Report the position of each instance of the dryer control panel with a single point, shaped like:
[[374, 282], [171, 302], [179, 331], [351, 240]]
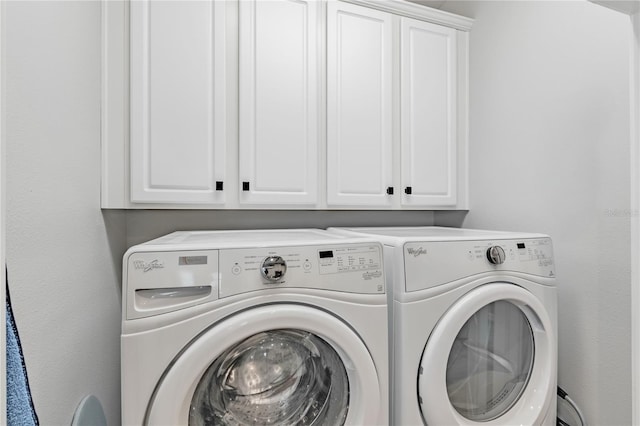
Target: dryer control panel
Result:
[[432, 263]]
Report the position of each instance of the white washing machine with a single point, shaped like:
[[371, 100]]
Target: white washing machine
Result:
[[473, 333], [254, 327]]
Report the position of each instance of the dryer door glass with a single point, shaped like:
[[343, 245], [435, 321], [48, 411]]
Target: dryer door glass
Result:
[[490, 362], [278, 377]]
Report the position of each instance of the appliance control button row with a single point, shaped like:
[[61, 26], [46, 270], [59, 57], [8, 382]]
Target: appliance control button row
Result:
[[354, 268]]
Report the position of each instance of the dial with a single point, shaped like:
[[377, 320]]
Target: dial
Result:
[[495, 255], [273, 268]]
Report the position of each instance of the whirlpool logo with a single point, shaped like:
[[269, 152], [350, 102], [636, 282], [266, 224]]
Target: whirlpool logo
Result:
[[141, 265], [415, 252]]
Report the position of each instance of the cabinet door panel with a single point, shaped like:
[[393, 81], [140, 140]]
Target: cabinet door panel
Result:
[[177, 101], [359, 106], [428, 119], [279, 101]]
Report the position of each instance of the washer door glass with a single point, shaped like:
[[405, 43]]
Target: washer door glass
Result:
[[490, 362], [277, 377]]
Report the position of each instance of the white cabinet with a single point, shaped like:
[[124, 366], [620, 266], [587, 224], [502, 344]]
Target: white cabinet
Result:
[[177, 101], [285, 104], [428, 114], [366, 48], [279, 102], [359, 105]]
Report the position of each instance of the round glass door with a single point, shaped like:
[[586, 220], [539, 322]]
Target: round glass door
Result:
[[262, 359], [490, 362], [491, 358], [275, 377]]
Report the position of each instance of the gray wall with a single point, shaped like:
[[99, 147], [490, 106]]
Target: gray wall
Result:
[[549, 152], [143, 225], [63, 255]]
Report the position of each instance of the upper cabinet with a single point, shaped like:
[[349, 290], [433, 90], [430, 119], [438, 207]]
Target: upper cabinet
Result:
[[279, 101], [359, 106], [177, 108], [428, 114], [310, 104]]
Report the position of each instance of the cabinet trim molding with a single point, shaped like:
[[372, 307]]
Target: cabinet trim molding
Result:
[[114, 128], [416, 11]]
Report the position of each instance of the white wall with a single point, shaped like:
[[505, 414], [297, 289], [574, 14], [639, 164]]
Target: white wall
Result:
[[63, 254], [3, 336], [635, 209], [549, 152]]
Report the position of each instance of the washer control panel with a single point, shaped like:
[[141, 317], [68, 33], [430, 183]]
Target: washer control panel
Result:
[[352, 268], [433, 263], [348, 259]]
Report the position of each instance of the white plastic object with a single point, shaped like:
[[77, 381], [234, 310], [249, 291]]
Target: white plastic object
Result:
[[89, 413]]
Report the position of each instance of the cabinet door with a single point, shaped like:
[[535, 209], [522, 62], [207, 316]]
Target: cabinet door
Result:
[[428, 114], [177, 101], [359, 106], [279, 61]]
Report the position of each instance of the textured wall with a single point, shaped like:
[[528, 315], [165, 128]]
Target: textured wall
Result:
[[549, 152], [143, 225], [63, 255]]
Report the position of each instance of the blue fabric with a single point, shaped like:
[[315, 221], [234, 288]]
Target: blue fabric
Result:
[[20, 410]]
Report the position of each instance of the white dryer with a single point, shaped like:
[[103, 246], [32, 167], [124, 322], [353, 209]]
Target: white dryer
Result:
[[473, 333], [254, 327]]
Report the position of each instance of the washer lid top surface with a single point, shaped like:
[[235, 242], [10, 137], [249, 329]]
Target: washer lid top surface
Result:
[[436, 233], [490, 360], [247, 235], [200, 240]]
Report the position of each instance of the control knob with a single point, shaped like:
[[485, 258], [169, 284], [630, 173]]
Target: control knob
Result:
[[495, 255], [273, 268]]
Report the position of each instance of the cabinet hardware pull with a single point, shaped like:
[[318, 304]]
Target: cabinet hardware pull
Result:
[[245, 186], [407, 190], [390, 190], [219, 185]]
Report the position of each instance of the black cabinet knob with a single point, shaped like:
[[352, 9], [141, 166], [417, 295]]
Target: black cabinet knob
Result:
[[390, 190], [407, 190]]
